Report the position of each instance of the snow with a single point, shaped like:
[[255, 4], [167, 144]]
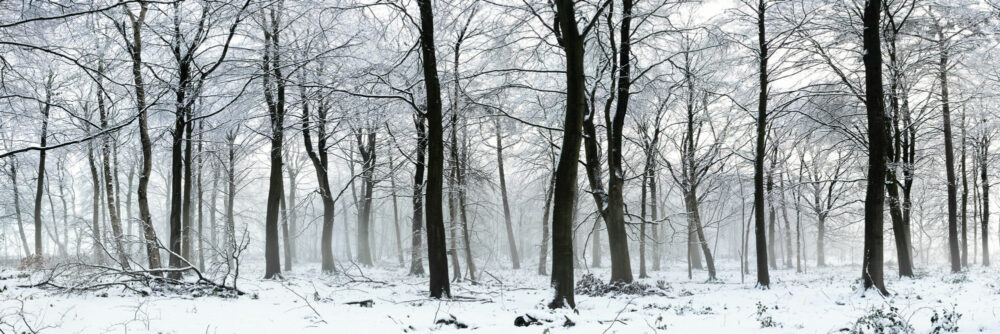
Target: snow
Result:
[[820, 301]]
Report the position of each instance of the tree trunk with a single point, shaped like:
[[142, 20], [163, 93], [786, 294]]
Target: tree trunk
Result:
[[395, 213], [213, 228], [621, 267], [201, 215], [763, 277], [39, 190], [135, 48], [231, 199], [366, 147], [96, 205], [965, 199], [463, 207], [511, 244], [877, 141], [318, 157], [287, 246], [543, 251], [437, 257], [187, 218], [642, 223], [983, 162], [694, 219], [293, 227], [276, 113], [564, 190], [456, 267], [788, 224], [653, 213], [109, 184], [949, 155], [772, 217], [416, 262], [17, 209]]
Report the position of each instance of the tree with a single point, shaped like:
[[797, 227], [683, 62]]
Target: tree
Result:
[[46, 106], [136, 21], [366, 147], [571, 39], [274, 96], [437, 257], [321, 164], [515, 259], [871, 272], [109, 179], [611, 203]]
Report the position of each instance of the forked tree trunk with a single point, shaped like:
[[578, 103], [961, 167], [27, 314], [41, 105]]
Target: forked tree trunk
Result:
[[318, 157]]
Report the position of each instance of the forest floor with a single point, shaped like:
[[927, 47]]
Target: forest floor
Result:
[[822, 300]]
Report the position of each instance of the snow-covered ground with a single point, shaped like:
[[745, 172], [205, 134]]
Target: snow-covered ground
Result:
[[823, 300]]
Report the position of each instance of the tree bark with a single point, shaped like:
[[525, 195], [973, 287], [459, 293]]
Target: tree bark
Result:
[[983, 162], [564, 190], [949, 155], [286, 245], [772, 217], [320, 161], [965, 198], [515, 259], [17, 209], [187, 218], [437, 257], [877, 141], [416, 262], [763, 278], [109, 184], [543, 251], [366, 148], [39, 190], [395, 213], [95, 210], [146, 145], [275, 99]]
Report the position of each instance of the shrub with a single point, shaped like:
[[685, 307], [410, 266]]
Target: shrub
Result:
[[882, 321], [765, 319], [592, 286], [946, 321]]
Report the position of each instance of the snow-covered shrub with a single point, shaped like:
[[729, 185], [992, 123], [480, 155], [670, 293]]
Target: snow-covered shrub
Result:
[[592, 286], [956, 278], [946, 321], [882, 321], [765, 319]]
